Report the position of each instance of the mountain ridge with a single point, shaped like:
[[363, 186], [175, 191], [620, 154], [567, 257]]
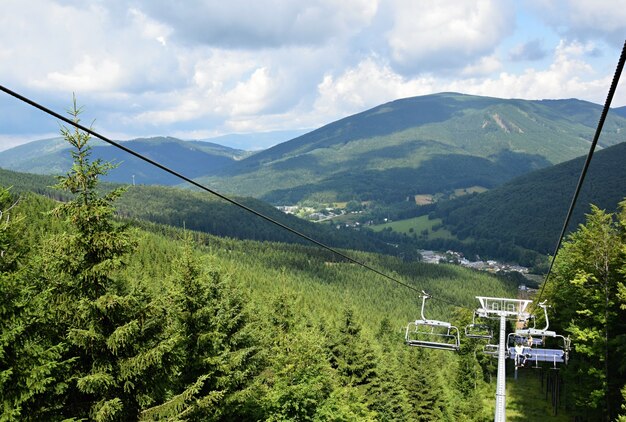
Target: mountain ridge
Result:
[[419, 145], [401, 135], [49, 156]]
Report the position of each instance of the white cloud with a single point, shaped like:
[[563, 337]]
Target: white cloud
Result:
[[584, 19], [372, 82], [253, 95], [150, 28], [483, 66], [84, 48], [431, 34], [531, 51], [208, 66], [369, 83], [568, 76], [86, 76], [261, 23]]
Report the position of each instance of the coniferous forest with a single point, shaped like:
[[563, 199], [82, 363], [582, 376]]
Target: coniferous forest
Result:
[[109, 320]]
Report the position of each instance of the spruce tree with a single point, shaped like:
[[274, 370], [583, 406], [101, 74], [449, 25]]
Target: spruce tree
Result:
[[298, 378], [217, 352], [425, 389], [585, 290], [112, 331], [28, 363]]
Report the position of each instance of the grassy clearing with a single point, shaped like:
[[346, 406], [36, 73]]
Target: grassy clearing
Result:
[[473, 189], [526, 400], [418, 224]]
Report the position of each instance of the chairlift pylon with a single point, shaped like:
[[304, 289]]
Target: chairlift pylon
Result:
[[431, 333]]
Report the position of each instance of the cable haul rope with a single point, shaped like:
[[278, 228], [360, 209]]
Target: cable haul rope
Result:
[[214, 192], [581, 179]]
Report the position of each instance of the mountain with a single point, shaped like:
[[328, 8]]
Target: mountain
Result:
[[420, 145], [431, 144], [205, 213], [530, 210], [255, 141], [620, 111], [50, 156]]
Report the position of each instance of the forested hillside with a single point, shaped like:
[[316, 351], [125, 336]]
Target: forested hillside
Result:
[[104, 321], [420, 145], [105, 318], [51, 156], [529, 211], [203, 212]]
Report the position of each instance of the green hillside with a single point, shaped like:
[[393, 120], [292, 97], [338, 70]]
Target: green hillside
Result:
[[105, 318], [203, 212], [421, 145], [289, 332], [529, 211], [191, 158]]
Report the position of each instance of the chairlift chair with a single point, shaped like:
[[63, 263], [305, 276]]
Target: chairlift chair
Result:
[[479, 331], [491, 350], [531, 340], [431, 333]]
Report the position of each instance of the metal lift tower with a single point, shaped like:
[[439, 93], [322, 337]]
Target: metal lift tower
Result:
[[497, 307]]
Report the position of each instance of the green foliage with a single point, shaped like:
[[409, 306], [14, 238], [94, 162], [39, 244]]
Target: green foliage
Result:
[[528, 212], [587, 290], [216, 348], [103, 321]]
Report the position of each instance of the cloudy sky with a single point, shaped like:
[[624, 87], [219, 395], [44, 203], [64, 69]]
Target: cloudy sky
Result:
[[204, 68]]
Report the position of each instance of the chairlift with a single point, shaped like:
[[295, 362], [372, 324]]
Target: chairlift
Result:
[[491, 350], [479, 331], [528, 345], [431, 333]]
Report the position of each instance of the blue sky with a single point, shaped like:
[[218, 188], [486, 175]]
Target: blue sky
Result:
[[203, 68]]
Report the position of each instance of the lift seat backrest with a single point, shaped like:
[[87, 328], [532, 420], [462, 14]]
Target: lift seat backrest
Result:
[[448, 339], [433, 345], [540, 355]]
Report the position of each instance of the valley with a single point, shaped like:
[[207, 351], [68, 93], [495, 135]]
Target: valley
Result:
[[109, 282]]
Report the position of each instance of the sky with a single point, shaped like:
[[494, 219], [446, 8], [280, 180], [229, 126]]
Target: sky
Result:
[[197, 69]]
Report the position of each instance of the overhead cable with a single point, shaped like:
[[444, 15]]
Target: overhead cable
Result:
[[581, 179], [204, 188]]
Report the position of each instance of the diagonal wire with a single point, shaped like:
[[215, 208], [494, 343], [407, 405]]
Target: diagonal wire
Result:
[[219, 195], [581, 179]]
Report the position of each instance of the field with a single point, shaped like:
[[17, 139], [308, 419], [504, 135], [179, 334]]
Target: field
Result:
[[526, 400], [417, 225]]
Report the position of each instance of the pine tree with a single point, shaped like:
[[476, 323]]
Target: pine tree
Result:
[[217, 353], [584, 289], [112, 332]]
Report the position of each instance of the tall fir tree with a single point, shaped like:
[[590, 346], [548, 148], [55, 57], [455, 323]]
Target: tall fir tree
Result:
[[217, 352], [112, 331], [585, 289]]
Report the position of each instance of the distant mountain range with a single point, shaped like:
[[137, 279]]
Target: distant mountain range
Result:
[[421, 145], [255, 141], [192, 158]]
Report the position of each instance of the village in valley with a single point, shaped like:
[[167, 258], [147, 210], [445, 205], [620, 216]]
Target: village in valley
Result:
[[330, 213]]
